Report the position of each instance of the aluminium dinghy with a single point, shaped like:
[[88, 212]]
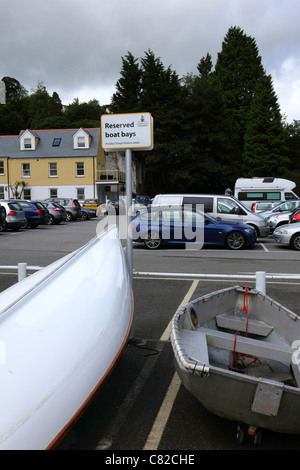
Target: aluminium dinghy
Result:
[[236, 351], [58, 346]]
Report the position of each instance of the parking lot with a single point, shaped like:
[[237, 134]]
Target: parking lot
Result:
[[143, 405]]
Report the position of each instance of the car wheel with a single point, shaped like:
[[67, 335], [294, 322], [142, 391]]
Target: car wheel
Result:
[[84, 216], [295, 241], [3, 227], [235, 240], [69, 217], [51, 220], [153, 241]]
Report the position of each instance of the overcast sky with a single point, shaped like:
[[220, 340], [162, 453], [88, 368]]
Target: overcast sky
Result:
[[75, 47]]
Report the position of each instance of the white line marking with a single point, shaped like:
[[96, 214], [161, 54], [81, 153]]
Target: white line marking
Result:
[[162, 417], [163, 414], [264, 247]]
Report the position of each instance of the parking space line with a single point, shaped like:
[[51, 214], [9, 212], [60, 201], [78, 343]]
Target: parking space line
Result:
[[162, 417], [264, 247], [166, 334], [163, 414]]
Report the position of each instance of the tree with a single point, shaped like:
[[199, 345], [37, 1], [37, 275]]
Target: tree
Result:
[[265, 149], [126, 98], [205, 161], [14, 90], [238, 69]]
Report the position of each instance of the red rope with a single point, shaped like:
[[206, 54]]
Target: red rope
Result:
[[242, 355]]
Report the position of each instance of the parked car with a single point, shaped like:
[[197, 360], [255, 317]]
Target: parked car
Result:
[[157, 226], [288, 234], [295, 216], [33, 214], [92, 203], [72, 206], [88, 213], [140, 203], [115, 206], [15, 216], [277, 220], [286, 206], [44, 210], [263, 206], [57, 213]]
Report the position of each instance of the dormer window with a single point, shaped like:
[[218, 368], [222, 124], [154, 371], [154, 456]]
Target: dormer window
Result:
[[28, 140], [81, 139]]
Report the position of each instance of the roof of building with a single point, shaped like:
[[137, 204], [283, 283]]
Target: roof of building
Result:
[[10, 145]]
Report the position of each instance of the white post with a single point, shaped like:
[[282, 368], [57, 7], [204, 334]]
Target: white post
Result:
[[22, 269], [261, 281]]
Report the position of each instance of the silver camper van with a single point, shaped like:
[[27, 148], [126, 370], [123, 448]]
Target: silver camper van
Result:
[[223, 208], [272, 190]]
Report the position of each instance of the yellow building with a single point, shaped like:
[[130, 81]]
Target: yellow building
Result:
[[51, 163]]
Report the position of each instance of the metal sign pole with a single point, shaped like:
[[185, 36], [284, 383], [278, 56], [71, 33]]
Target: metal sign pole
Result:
[[128, 154]]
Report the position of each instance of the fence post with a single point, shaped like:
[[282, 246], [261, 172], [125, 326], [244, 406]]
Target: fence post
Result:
[[22, 270], [260, 281]]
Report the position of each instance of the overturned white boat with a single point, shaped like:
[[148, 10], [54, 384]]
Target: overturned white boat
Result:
[[62, 331], [236, 351]]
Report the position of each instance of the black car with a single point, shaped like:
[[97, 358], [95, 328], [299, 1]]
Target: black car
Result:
[[88, 213]]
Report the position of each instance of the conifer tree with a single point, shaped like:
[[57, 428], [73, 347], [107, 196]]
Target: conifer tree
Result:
[[238, 69], [127, 96], [265, 149]]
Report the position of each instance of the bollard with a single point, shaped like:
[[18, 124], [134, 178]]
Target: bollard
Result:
[[22, 270], [261, 281]]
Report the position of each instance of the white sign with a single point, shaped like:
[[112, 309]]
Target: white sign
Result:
[[127, 131]]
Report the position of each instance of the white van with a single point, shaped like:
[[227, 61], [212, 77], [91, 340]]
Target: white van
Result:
[[224, 208], [251, 190]]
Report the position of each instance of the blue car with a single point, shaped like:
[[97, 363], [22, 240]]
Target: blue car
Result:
[[157, 226], [34, 214]]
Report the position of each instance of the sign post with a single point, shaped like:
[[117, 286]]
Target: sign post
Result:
[[129, 132]]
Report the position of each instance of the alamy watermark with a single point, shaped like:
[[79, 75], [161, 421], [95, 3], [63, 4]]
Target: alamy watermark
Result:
[[180, 224]]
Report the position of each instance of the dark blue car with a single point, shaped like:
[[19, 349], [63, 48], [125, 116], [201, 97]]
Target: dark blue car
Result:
[[34, 214], [157, 226]]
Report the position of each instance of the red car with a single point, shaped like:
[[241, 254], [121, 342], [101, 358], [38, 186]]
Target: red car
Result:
[[295, 215]]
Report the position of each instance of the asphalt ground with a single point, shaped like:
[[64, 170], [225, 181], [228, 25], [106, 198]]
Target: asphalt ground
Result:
[[142, 406]]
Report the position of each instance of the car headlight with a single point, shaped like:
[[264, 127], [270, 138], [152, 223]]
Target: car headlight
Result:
[[272, 219], [250, 230], [281, 231]]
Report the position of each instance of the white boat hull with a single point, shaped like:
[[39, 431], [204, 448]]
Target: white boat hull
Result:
[[60, 340]]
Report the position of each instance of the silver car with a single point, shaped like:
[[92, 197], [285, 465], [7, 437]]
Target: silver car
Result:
[[288, 234], [15, 216], [276, 220]]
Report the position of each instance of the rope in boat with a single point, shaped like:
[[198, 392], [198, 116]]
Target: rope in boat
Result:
[[243, 356]]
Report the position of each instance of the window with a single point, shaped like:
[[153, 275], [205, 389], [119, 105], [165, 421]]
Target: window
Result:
[[80, 169], [80, 141], [56, 142], [26, 170], [53, 192], [27, 143], [1, 192], [227, 206], [53, 170], [27, 194], [1, 167], [80, 193]]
